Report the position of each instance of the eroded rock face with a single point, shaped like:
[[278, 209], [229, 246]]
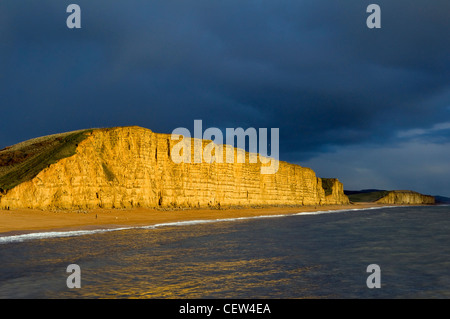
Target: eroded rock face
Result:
[[128, 167], [407, 198]]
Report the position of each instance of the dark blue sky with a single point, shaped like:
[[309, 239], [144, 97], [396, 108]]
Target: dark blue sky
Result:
[[371, 107]]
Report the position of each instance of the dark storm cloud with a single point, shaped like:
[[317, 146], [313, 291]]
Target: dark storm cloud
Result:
[[311, 68]]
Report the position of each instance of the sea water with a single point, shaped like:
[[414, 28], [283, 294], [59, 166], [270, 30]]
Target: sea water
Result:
[[308, 255]]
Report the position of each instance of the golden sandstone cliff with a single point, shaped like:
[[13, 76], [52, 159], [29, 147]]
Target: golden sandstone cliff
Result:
[[127, 167], [406, 198]]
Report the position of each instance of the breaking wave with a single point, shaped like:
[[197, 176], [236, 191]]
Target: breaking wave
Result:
[[73, 233]]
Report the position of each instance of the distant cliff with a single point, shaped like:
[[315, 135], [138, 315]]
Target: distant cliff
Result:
[[128, 167], [406, 198]]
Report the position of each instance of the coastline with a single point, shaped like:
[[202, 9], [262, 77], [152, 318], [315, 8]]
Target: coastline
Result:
[[30, 221]]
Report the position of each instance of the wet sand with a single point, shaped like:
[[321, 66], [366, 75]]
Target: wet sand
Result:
[[28, 220]]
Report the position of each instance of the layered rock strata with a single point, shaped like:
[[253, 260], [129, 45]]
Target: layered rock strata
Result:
[[401, 197], [127, 167]]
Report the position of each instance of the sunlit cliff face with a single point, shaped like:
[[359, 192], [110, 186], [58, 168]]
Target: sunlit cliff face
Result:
[[406, 198], [128, 167]]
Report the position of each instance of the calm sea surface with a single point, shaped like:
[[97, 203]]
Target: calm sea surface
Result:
[[304, 256]]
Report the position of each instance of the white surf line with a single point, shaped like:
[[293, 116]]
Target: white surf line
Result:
[[345, 210], [73, 233], [55, 234]]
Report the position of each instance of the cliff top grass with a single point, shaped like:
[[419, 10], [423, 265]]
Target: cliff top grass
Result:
[[327, 185], [23, 161], [367, 197]]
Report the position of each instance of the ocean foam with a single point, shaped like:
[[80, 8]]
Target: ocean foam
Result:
[[73, 233], [43, 235]]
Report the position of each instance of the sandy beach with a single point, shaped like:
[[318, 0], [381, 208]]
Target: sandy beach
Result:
[[28, 220]]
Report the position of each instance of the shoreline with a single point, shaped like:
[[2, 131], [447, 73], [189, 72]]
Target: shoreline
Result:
[[25, 221]]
